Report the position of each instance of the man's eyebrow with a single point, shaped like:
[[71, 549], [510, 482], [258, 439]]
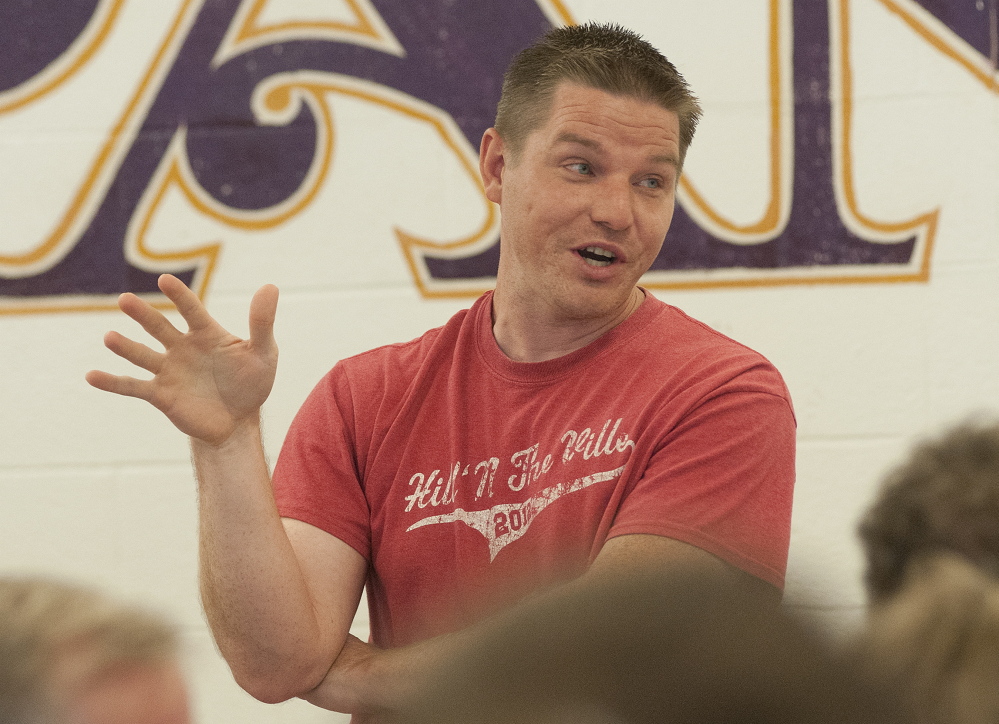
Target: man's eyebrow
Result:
[[567, 137], [668, 159]]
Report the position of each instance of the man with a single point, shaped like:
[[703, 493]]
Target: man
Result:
[[71, 656], [568, 423]]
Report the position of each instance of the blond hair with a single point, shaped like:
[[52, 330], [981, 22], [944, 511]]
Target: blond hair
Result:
[[45, 623], [937, 640]]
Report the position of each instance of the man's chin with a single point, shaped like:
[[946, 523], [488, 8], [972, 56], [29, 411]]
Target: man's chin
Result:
[[600, 303]]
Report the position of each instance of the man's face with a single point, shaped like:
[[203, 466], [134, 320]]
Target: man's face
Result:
[[586, 203]]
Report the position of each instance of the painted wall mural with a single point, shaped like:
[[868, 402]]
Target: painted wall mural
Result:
[[229, 111]]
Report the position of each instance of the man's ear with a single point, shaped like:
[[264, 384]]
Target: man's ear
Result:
[[492, 160]]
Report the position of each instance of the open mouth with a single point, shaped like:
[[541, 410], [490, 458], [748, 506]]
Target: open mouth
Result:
[[595, 256]]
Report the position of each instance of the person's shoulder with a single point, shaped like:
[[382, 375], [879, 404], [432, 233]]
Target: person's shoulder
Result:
[[706, 351], [399, 355], [687, 331]]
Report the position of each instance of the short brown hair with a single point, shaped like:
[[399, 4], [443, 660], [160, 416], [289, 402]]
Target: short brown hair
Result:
[[943, 498], [603, 56], [42, 622]]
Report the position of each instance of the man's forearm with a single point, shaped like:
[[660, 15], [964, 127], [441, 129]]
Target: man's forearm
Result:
[[367, 680], [255, 596], [370, 681]]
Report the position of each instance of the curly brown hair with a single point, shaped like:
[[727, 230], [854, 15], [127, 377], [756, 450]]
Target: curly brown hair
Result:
[[943, 498]]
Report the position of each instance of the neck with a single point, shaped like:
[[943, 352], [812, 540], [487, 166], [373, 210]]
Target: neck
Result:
[[527, 334]]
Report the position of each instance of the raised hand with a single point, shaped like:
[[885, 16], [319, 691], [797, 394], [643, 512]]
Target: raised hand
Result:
[[206, 381]]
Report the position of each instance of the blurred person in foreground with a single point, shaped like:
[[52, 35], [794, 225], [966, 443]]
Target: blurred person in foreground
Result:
[[678, 648], [936, 640], [566, 425], [69, 655]]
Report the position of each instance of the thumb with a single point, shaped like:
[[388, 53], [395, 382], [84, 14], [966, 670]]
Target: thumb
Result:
[[263, 310]]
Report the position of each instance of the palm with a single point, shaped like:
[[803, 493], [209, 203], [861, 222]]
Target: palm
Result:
[[206, 381]]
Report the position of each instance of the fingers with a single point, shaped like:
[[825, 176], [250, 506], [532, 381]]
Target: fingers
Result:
[[152, 320], [120, 384], [186, 301], [138, 354], [263, 310]]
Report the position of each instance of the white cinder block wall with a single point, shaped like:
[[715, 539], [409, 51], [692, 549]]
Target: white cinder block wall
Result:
[[99, 489]]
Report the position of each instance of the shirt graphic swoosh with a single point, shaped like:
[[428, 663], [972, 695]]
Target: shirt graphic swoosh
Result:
[[518, 516]]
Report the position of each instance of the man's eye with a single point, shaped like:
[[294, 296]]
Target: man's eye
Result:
[[580, 168], [651, 183]]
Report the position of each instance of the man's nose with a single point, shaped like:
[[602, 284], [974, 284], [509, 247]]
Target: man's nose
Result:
[[612, 205]]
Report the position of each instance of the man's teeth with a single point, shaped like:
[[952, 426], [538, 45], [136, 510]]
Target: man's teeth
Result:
[[595, 256]]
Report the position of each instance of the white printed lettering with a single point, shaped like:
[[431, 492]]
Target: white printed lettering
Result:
[[503, 524], [489, 468], [450, 490], [527, 460], [591, 447], [419, 496], [569, 452], [441, 490]]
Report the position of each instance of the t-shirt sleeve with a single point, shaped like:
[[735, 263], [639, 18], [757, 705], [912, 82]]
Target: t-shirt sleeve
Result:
[[723, 477], [316, 478]]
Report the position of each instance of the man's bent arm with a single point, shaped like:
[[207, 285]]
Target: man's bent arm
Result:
[[280, 622], [278, 616]]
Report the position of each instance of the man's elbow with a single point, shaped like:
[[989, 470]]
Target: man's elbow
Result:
[[276, 685]]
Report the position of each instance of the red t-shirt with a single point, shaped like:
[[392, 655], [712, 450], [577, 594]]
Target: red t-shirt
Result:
[[468, 480]]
